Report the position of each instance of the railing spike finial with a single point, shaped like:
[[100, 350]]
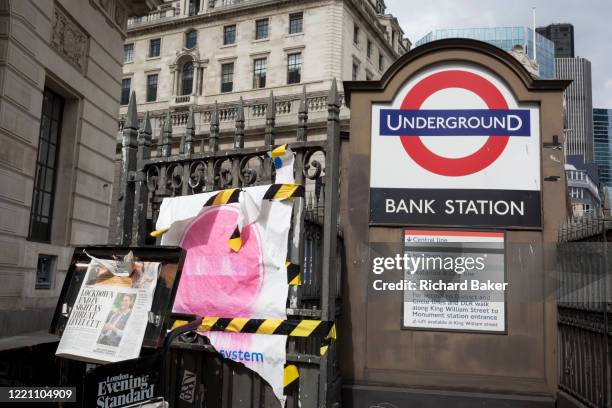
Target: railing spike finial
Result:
[[144, 138], [132, 114], [189, 133], [213, 142], [333, 97], [167, 136], [148, 130], [190, 119], [215, 116], [271, 109], [270, 121], [239, 134], [302, 117], [168, 123], [240, 111], [303, 102]]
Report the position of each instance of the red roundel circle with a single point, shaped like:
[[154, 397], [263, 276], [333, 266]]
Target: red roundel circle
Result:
[[460, 166]]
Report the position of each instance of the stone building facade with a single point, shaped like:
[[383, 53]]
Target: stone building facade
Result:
[[191, 54], [60, 78]]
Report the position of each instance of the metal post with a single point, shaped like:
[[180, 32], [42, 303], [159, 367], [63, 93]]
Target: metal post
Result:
[[238, 143], [213, 141], [189, 135], [269, 137], [330, 237], [166, 139], [213, 145], [296, 249], [188, 150], [139, 229], [128, 168]]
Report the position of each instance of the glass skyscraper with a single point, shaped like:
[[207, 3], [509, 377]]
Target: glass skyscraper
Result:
[[505, 38], [602, 144]]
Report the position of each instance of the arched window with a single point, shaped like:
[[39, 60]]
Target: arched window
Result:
[[187, 83], [191, 39]]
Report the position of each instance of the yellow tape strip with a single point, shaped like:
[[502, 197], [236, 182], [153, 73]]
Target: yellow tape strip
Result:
[[236, 325], [223, 196], [305, 328], [235, 244], [279, 151], [178, 323], [286, 191], [268, 326], [207, 323], [291, 374], [332, 332], [159, 232]]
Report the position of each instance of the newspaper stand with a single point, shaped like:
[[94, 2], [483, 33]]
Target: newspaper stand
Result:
[[73, 372]]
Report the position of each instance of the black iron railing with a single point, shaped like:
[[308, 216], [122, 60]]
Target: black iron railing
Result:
[[151, 174]]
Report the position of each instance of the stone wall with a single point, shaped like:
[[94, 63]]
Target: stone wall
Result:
[[75, 49]]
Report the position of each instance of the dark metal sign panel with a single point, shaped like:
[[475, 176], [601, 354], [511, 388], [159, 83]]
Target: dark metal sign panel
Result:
[[485, 208]]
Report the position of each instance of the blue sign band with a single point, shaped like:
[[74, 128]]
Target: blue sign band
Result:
[[463, 122]]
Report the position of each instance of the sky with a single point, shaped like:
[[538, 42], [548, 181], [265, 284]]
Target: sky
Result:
[[592, 20]]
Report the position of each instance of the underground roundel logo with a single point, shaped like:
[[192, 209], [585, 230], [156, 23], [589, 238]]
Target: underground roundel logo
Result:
[[411, 123]]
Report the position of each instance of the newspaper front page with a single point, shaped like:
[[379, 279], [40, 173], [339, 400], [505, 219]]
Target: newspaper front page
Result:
[[108, 320]]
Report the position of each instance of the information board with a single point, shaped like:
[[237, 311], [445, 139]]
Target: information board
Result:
[[455, 280]]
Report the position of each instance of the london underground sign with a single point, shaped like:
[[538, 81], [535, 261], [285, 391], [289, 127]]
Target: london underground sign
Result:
[[455, 148]]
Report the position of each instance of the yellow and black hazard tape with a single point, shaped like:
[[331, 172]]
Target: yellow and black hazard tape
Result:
[[231, 195], [274, 192], [290, 381], [227, 196], [293, 274], [292, 328], [331, 336], [284, 191]]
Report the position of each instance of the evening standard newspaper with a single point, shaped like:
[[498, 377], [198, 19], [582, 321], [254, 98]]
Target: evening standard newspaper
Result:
[[108, 320]]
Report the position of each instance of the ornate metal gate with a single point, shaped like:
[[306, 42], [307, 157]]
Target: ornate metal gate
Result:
[[150, 174]]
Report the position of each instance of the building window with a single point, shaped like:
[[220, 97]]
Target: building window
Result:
[[381, 62], [191, 39], [126, 84], [194, 7], [46, 167], [369, 48], [229, 34], [227, 77], [187, 79], [259, 72], [154, 47], [128, 53], [44, 271], [296, 23], [294, 68], [261, 29], [355, 71], [355, 34], [152, 88]]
